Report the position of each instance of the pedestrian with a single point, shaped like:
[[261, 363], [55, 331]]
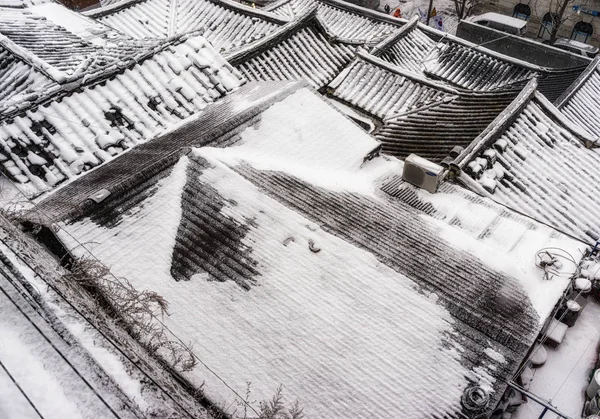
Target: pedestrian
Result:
[[397, 13], [387, 8]]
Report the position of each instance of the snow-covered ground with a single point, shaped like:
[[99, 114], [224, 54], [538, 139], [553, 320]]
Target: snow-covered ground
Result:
[[566, 374], [409, 8]]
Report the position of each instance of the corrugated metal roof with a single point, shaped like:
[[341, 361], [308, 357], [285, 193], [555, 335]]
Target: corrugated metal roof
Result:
[[300, 50], [533, 160]]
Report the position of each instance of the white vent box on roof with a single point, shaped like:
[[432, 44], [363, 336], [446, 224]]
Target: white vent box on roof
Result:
[[422, 173]]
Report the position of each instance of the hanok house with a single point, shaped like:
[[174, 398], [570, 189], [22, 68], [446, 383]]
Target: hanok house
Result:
[[579, 103], [534, 159], [247, 220], [76, 92], [411, 113], [227, 25]]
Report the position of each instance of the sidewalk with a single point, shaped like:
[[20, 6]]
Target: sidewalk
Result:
[[565, 376]]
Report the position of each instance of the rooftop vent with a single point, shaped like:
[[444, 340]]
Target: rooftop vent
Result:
[[422, 173]]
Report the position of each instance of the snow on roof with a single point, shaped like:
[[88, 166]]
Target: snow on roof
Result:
[[49, 370], [226, 24], [45, 146], [300, 50], [482, 223], [63, 44], [534, 160], [579, 103], [23, 3], [415, 114], [252, 237], [343, 20], [451, 60], [440, 56], [500, 18]]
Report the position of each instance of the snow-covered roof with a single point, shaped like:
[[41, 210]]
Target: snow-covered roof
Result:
[[580, 102], [285, 263], [226, 24], [300, 50], [43, 146], [343, 20], [416, 114], [500, 18], [23, 3], [449, 59], [444, 57], [533, 159], [49, 48]]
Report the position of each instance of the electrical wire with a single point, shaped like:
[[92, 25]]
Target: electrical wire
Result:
[[58, 351], [187, 348], [108, 339], [20, 389]]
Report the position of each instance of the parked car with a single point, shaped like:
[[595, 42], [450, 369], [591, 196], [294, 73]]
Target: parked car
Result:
[[503, 23], [576, 47]]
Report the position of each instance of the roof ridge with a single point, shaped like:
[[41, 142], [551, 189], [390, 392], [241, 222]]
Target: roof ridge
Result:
[[381, 47], [366, 56], [576, 85], [111, 8], [499, 124], [247, 10], [363, 11], [264, 43], [79, 202], [69, 85], [577, 131]]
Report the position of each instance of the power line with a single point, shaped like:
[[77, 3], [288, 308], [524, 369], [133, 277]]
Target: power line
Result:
[[20, 389], [47, 339], [109, 340], [187, 348]]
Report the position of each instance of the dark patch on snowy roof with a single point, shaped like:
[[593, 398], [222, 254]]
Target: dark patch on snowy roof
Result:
[[416, 115], [300, 50], [207, 240], [580, 101], [229, 115], [82, 127], [490, 309], [533, 159]]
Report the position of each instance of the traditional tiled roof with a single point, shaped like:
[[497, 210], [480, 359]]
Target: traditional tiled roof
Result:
[[23, 3], [300, 50], [226, 24], [453, 60], [580, 103], [43, 146], [534, 160], [248, 229], [413, 113], [343, 20], [48, 49]]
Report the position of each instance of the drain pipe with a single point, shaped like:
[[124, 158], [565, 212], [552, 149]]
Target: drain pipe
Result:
[[547, 405]]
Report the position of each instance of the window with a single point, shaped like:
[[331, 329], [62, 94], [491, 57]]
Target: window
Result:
[[547, 25], [522, 11], [582, 31]]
